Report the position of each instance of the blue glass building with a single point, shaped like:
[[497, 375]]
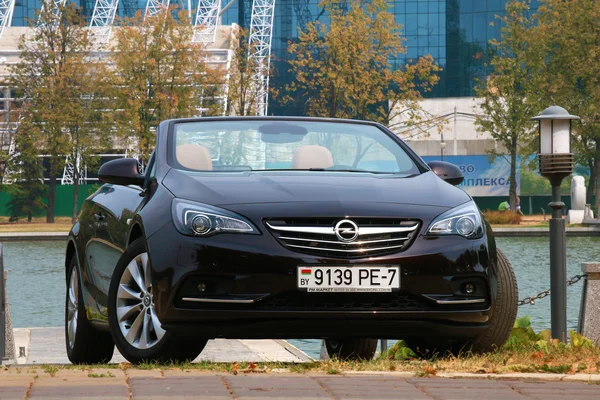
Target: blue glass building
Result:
[[455, 32]]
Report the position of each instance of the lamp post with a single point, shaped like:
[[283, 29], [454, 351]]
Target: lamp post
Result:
[[442, 147], [556, 163]]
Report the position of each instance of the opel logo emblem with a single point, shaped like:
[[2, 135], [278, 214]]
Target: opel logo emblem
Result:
[[346, 230]]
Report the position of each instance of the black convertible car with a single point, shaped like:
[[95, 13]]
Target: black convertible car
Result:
[[265, 227]]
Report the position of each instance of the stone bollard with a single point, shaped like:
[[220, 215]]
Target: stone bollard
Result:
[[589, 315]]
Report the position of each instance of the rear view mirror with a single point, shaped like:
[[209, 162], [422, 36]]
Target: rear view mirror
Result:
[[122, 171], [447, 171]]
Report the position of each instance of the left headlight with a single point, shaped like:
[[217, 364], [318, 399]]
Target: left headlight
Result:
[[464, 220], [196, 219]]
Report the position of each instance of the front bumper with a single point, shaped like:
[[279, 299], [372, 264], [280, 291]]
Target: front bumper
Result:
[[255, 279]]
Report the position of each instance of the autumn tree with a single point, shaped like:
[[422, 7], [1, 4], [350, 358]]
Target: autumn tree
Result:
[[506, 104], [53, 79], [566, 45], [243, 94], [159, 73], [84, 118], [342, 69], [26, 174]]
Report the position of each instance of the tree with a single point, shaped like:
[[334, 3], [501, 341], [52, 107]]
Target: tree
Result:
[[506, 105], [83, 118], [158, 74], [342, 69], [243, 95], [52, 59], [566, 45], [28, 189]]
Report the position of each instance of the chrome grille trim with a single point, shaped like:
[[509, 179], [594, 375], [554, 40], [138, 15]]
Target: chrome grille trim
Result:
[[375, 236], [359, 243], [365, 230], [365, 250]]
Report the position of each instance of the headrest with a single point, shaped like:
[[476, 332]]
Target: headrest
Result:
[[312, 156], [194, 156]]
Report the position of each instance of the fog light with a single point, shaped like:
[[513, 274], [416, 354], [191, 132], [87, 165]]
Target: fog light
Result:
[[201, 287], [469, 288]]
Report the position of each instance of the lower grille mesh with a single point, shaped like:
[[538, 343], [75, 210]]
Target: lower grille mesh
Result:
[[395, 301]]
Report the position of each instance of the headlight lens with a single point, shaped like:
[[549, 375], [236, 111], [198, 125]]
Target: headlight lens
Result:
[[196, 219], [464, 220]]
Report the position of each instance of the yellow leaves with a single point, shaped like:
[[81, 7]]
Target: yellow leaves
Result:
[[344, 68]]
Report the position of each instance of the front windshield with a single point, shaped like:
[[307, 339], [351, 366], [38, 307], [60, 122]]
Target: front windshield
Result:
[[264, 145]]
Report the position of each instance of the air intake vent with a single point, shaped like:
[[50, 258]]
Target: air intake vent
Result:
[[344, 238]]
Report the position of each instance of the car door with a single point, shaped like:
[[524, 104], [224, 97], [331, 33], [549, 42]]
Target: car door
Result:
[[114, 206]]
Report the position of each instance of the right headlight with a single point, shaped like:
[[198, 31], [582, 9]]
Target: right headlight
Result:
[[196, 219], [464, 220]]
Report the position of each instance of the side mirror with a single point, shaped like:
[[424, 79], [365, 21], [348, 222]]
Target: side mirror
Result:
[[447, 171], [122, 171]]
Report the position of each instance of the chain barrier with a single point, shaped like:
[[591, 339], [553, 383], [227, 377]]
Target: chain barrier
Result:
[[531, 299]]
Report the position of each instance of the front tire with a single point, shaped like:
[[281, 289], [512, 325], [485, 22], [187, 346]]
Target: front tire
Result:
[[504, 309], [85, 345], [351, 349], [135, 327], [504, 312]]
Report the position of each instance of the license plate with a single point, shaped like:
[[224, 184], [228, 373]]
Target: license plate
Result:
[[349, 279]]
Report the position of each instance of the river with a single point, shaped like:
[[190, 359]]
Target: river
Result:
[[36, 283]]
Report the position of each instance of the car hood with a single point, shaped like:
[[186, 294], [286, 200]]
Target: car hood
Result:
[[222, 189]]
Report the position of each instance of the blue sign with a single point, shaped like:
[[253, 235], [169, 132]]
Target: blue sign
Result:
[[483, 178]]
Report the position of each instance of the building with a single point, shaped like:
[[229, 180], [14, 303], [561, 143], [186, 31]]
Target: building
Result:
[[455, 32]]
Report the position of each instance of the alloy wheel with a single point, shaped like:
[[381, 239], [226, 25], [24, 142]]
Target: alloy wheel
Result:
[[136, 314], [72, 306]]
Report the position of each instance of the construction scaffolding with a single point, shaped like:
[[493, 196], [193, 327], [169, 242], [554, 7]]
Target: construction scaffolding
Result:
[[205, 23], [7, 7], [154, 7], [103, 19], [259, 47]]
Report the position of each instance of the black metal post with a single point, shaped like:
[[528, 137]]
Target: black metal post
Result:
[[558, 266]]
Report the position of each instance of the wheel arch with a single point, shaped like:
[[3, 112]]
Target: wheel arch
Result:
[[71, 251], [136, 232]]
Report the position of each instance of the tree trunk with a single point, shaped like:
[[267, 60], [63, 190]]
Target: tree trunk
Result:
[[51, 197], [512, 189], [29, 216], [75, 191], [591, 183]]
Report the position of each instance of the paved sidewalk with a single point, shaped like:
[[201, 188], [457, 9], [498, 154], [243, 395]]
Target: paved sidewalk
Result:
[[47, 346], [175, 384]]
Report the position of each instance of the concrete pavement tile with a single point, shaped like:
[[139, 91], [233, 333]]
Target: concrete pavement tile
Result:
[[270, 387], [81, 388], [179, 373], [456, 383], [472, 393], [144, 373], [194, 387], [371, 387], [14, 387]]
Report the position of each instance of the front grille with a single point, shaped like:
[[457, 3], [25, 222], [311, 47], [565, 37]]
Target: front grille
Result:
[[302, 301], [318, 236]]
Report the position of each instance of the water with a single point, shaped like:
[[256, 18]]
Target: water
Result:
[[36, 283]]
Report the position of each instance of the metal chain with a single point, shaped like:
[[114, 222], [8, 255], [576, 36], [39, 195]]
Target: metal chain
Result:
[[546, 293]]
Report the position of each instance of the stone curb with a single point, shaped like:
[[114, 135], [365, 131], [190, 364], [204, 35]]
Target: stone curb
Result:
[[545, 377], [20, 236]]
